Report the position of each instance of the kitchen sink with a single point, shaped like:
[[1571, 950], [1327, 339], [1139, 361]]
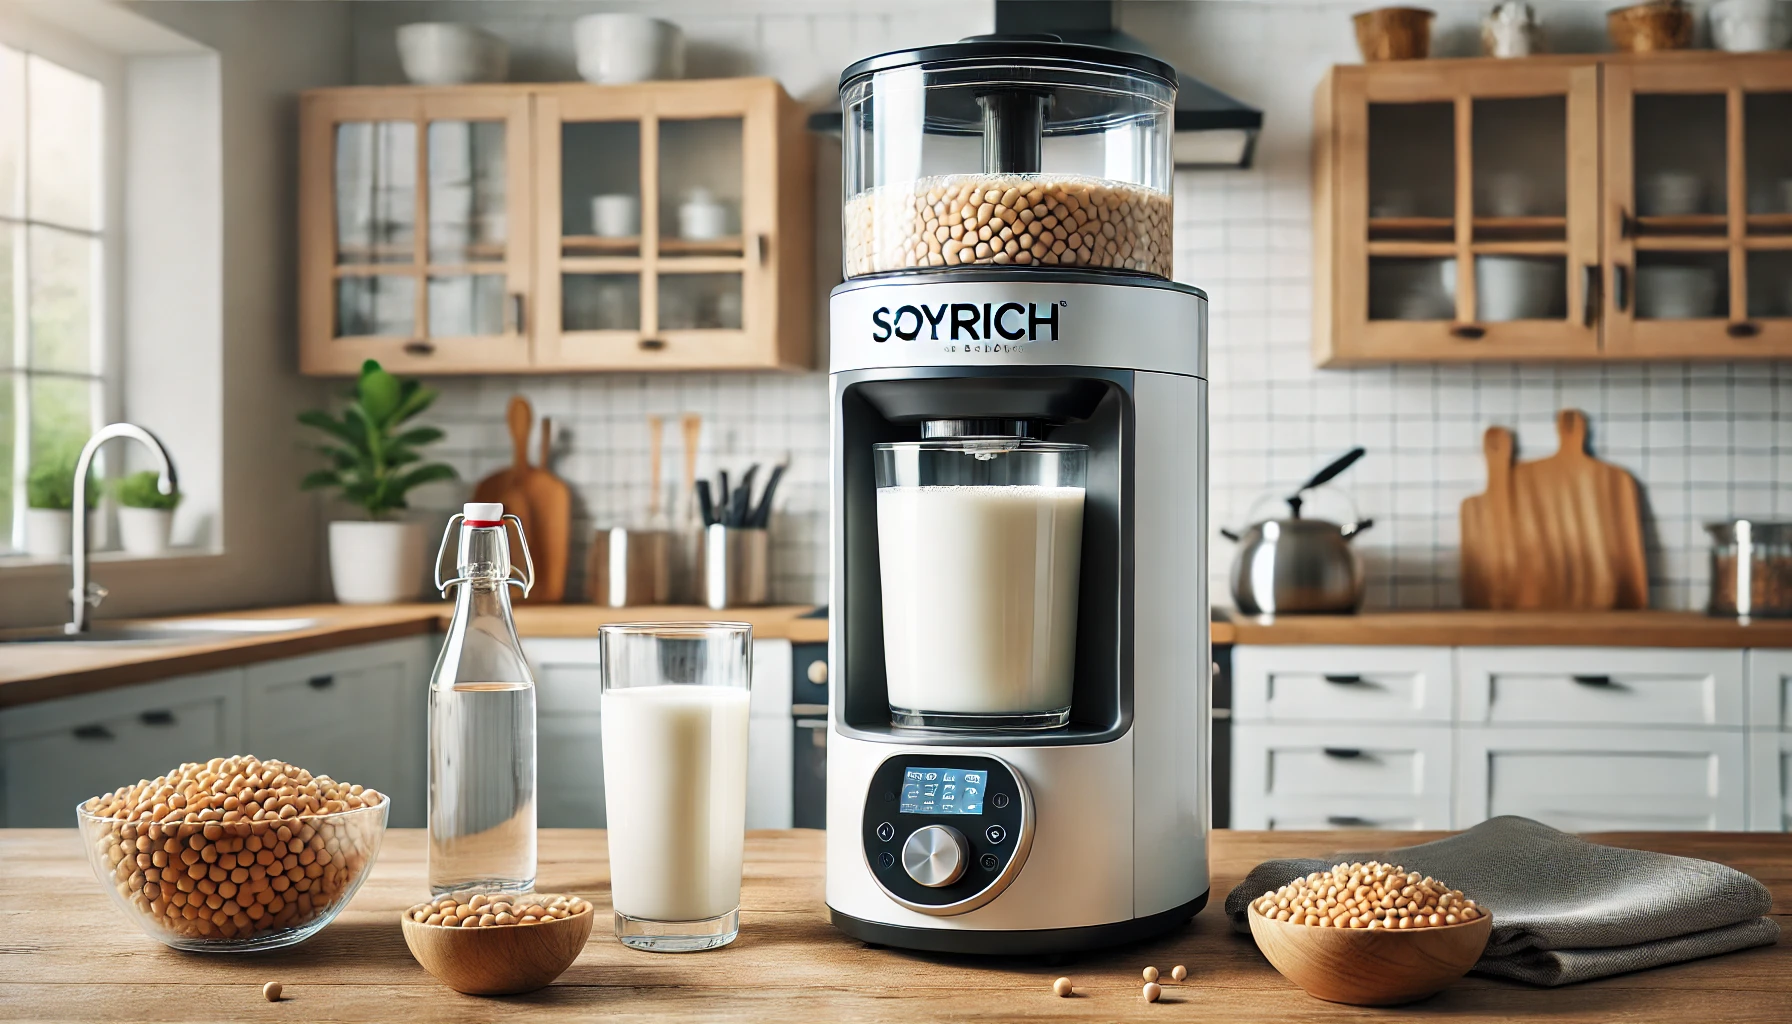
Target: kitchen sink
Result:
[[182, 631]]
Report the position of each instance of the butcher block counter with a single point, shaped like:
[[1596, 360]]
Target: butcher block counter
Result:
[[66, 954], [42, 671], [34, 672]]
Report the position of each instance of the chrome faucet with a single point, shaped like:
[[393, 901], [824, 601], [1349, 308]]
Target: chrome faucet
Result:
[[85, 594]]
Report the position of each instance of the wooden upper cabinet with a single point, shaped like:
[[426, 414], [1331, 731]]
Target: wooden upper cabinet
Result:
[[1457, 206], [1554, 208], [1698, 219], [509, 228], [415, 230]]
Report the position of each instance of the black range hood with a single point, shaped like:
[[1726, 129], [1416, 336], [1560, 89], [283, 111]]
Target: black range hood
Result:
[[1213, 130]]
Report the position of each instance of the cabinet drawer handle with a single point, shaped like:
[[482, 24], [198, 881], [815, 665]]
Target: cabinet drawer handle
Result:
[[1348, 821], [1594, 680], [653, 344], [93, 732], [1743, 330], [762, 248], [1344, 680], [515, 313], [419, 348], [1468, 332], [156, 718], [1620, 287], [1343, 753], [321, 682]]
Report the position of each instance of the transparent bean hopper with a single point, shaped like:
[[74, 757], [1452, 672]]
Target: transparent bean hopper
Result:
[[1019, 659], [1008, 152]]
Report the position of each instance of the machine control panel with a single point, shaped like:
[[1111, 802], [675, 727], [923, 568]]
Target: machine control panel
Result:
[[945, 833]]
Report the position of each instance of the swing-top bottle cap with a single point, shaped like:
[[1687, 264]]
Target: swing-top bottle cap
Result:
[[483, 513]]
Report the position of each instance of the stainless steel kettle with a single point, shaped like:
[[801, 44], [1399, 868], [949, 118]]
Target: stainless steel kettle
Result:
[[1295, 565]]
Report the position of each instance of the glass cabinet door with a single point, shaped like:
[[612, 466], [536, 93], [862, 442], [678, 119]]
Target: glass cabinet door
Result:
[[1700, 185], [1467, 213], [428, 231], [656, 235]]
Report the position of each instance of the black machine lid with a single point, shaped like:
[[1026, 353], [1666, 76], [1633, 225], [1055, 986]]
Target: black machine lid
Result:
[[1042, 48]]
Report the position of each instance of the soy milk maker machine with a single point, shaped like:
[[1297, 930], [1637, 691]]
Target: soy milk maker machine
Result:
[[1008, 325]]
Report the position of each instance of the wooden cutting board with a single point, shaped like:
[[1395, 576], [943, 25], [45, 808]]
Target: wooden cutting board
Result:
[[1563, 532], [550, 500], [539, 499]]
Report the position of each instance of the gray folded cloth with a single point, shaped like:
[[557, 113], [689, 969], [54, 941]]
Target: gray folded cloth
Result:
[[1564, 909]]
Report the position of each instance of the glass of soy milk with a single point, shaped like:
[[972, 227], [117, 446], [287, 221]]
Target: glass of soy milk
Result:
[[979, 543], [674, 717]]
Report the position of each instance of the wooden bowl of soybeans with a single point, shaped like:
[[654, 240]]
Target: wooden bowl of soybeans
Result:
[[1369, 934], [498, 944]]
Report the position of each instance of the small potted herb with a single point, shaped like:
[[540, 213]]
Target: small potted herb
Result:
[[373, 463], [50, 497], [145, 514]]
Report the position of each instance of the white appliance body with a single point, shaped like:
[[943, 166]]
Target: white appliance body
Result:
[[1106, 841]]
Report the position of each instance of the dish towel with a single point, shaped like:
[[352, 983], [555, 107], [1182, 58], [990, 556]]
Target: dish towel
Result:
[[1564, 909]]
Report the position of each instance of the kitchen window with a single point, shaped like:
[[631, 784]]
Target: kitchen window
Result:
[[56, 262]]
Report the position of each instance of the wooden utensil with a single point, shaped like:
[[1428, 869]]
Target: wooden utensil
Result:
[[500, 959], [656, 429], [1370, 967], [509, 485], [550, 537], [1563, 532], [693, 434]]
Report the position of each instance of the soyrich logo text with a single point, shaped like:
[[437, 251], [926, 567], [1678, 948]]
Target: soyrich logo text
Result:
[[968, 321]]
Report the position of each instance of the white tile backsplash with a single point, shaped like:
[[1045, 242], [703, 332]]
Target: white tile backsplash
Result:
[[1704, 440]]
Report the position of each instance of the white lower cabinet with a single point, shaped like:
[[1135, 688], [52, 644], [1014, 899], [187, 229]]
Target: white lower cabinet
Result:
[[56, 753], [1770, 690], [1593, 780], [1340, 776], [357, 714], [570, 765], [1582, 738], [1601, 686], [1770, 781]]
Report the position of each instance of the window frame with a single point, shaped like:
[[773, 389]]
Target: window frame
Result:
[[29, 39]]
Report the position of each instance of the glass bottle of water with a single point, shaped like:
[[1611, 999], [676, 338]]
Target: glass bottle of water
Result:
[[482, 720]]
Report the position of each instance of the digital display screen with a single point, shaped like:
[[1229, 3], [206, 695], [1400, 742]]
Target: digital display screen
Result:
[[942, 791]]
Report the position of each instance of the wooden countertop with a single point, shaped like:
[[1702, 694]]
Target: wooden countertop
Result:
[[34, 672], [1513, 629], [70, 956]]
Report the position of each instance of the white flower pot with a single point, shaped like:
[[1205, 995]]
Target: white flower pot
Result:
[[376, 563], [144, 531], [47, 532]]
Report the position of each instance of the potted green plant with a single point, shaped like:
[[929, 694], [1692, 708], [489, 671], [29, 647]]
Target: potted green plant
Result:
[[49, 499], [145, 514], [373, 462]]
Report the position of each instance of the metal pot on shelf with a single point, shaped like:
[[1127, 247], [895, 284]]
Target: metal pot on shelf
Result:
[[1299, 565]]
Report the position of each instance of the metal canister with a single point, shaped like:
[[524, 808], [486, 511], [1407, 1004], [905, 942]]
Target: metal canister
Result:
[[629, 568], [732, 566]]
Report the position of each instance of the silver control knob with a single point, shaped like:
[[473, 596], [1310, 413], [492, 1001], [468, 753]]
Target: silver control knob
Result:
[[934, 855]]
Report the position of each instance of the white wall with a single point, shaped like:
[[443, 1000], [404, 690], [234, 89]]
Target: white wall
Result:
[[271, 541], [1703, 441], [173, 370]]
